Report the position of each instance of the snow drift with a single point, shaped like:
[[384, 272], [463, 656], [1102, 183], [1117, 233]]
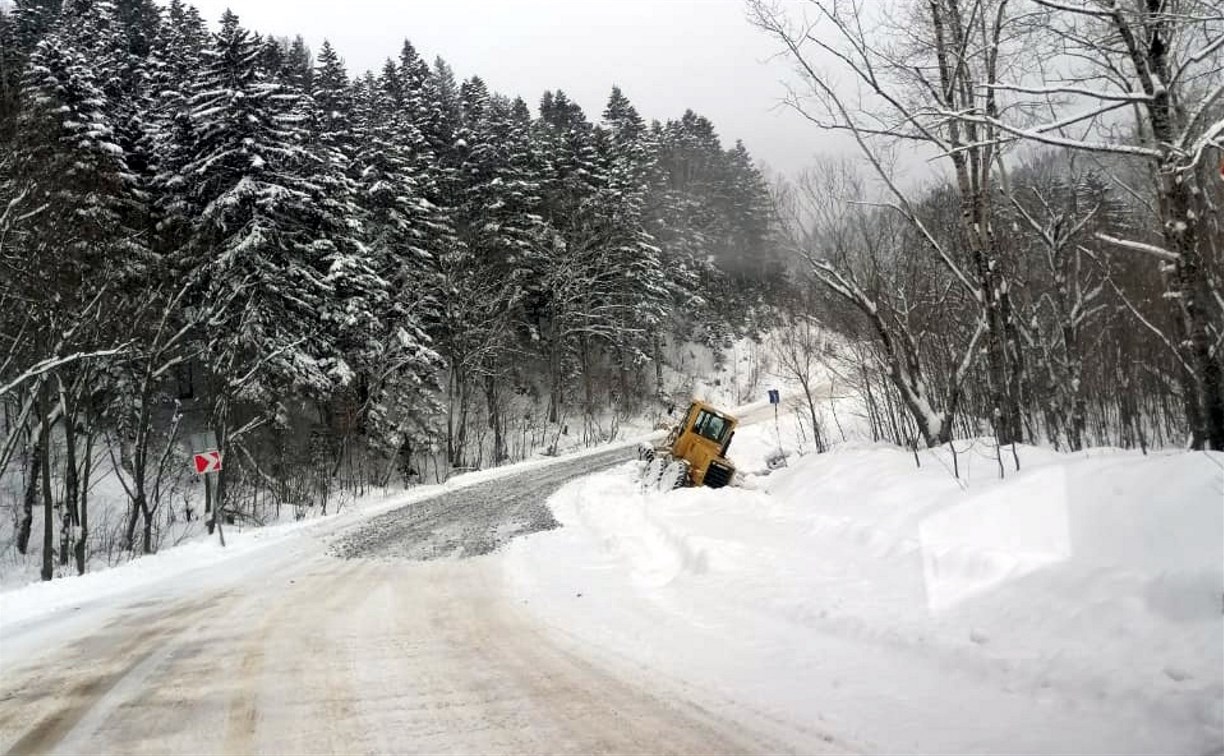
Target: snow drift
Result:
[[1073, 607]]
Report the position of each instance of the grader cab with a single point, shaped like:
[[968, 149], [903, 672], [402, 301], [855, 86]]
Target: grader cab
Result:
[[695, 452]]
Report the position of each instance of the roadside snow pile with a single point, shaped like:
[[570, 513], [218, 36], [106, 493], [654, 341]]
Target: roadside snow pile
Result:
[[36, 600], [1073, 607]]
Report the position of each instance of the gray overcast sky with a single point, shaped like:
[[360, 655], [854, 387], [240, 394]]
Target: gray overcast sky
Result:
[[667, 55]]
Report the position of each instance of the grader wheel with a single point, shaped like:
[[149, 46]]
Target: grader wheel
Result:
[[654, 469], [676, 475], [645, 452], [660, 470]]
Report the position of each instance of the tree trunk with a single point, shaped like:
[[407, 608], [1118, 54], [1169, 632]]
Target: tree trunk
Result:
[[451, 399], [973, 179], [1194, 292], [870, 401], [811, 402], [71, 483], [26, 521], [556, 367], [210, 522], [221, 431], [1076, 425], [554, 389], [1016, 374], [460, 459], [129, 534], [588, 389], [147, 535], [48, 555], [622, 400], [658, 362], [496, 421], [78, 548], [1183, 217]]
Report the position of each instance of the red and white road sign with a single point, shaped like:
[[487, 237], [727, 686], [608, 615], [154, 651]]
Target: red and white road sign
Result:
[[209, 461]]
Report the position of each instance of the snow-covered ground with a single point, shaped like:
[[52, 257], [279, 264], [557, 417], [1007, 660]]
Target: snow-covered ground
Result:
[[1074, 606]]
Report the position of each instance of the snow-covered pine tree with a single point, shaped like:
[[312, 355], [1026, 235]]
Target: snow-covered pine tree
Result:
[[140, 21], [429, 142], [331, 118], [401, 232], [499, 216], [299, 65], [32, 20], [420, 98], [596, 196], [436, 161], [174, 64], [175, 58], [488, 272], [77, 244], [403, 226], [67, 150], [129, 85], [10, 79], [441, 129], [449, 107], [275, 262], [688, 216], [271, 60], [755, 252], [364, 285], [627, 158]]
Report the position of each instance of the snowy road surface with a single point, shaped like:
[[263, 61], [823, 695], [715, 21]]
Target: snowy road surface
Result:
[[292, 649], [474, 521]]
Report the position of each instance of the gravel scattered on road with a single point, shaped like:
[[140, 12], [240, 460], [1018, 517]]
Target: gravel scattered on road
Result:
[[472, 521]]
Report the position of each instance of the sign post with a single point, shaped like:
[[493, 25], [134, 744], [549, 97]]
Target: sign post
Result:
[[775, 398], [207, 461]]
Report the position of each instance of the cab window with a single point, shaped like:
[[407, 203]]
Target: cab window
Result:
[[710, 426]]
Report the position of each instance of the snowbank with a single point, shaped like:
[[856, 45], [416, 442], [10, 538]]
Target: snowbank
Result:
[[1073, 607]]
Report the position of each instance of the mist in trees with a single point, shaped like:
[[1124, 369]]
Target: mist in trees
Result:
[[213, 237]]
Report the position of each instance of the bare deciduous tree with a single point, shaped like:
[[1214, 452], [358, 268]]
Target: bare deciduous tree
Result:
[[1140, 79], [888, 77], [800, 348]]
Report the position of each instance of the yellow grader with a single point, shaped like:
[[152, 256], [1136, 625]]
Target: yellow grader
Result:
[[694, 453]]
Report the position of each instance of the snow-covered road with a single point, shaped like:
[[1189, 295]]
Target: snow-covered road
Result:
[[332, 656], [291, 649]]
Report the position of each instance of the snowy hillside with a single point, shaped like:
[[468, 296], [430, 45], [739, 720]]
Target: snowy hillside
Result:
[[1072, 607]]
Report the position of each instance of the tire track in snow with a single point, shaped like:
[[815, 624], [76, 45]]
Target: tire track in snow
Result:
[[243, 707], [76, 699]]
